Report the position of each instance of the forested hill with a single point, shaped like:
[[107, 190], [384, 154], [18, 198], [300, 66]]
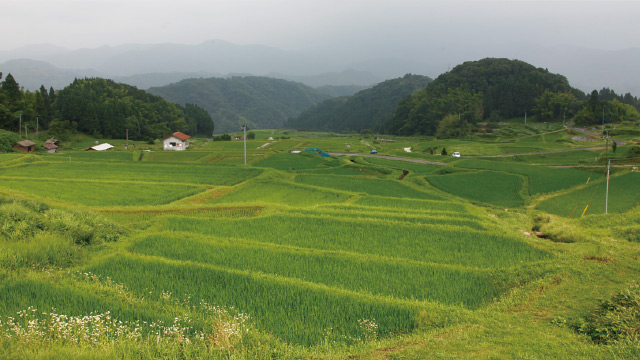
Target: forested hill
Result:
[[259, 102], [368, 109], [477, 90], [105, 108]]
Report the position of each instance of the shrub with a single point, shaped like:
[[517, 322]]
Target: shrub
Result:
[[616, 319], [7, 139], [223, 137]]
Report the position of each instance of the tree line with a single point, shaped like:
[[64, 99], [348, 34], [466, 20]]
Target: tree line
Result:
[[98, 107], [491, 90]]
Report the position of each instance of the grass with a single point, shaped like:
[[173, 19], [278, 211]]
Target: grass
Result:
[[297, 256], [293, 310], [136, 171], [300, 161], [427, 243], [279, 192], [623, 196], [488, 187], [377, 187], [542, 180], [358, 273], [100, 193]]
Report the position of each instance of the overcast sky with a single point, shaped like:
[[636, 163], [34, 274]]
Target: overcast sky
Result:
[[370, 26]]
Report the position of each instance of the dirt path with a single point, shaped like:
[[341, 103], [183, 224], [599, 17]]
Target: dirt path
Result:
[[389, 158], [584, 130]]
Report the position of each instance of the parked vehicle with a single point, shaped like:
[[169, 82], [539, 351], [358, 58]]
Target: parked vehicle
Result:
[[456, 154]]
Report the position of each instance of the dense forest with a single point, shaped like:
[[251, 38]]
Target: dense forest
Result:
[[496, 89], [30, 109], [105, 108], [99, 107], [368, 109], [259, 102]]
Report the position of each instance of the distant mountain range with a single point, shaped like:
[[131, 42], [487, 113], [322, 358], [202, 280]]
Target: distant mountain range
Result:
[[149, 65], [259, 102]]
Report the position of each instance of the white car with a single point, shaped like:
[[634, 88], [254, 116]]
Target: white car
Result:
[[456, 154]]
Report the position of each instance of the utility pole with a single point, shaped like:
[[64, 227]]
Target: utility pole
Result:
[[37, 124], [606, 199], [126, 146], [244, 138], [606, 147], [20, 126]]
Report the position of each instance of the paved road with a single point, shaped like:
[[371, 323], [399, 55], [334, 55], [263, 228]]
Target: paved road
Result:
[[390, 158]]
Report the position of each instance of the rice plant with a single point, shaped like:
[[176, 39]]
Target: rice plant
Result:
[[489, 187], [101, 193], [443, 244]]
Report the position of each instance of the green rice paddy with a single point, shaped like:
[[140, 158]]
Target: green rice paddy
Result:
[[314, 250]]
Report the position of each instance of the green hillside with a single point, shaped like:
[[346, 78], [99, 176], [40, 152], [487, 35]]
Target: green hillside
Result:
[[260, 102], [476, 90], [368, 109], [102, 107]]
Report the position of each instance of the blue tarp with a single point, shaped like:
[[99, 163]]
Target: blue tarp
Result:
[[317, 151]]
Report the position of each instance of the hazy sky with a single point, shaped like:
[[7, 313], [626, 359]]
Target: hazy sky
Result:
[[368, 26]]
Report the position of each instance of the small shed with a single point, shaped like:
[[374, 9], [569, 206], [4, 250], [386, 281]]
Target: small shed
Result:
[[25, 146], [51, 148], [53, 141], [101, 147], [176, 141]]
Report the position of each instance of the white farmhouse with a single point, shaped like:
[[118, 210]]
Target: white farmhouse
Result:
[[176, 141]]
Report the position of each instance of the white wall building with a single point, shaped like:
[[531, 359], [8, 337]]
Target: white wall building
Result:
[[176, 141]]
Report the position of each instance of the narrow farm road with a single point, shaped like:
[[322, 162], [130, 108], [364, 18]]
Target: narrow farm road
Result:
[[389, 158], [584, 130]]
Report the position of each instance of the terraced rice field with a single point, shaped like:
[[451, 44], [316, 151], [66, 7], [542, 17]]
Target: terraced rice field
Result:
[[312, 250], [624, 194], [489, 187]]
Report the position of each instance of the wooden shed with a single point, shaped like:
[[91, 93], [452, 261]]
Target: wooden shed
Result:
[[25, 146], [51, 148]]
